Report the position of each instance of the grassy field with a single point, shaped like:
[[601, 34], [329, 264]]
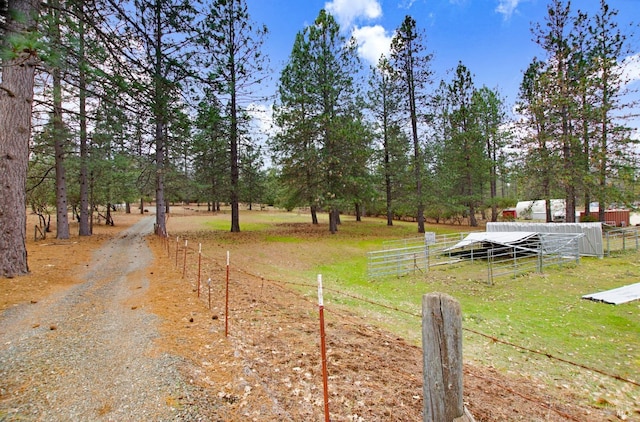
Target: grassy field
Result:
[[540, 312]]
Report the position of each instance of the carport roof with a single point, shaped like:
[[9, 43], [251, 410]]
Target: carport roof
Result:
[[498, 238], [617, 296]]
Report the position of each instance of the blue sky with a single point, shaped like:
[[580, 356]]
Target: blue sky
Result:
[[491, 37]]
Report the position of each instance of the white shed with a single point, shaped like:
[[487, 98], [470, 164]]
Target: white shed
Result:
[[590, 244], [536, 210]]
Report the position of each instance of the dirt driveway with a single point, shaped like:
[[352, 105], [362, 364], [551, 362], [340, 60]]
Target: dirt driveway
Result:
[[86, 354]]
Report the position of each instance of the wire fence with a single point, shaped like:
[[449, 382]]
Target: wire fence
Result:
[[621, 239], [200, 264], [421, 254]]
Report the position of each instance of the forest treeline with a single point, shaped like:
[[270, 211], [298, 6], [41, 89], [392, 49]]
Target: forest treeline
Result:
[[145, 100]]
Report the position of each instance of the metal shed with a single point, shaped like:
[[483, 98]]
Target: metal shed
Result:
[[617, 296], [589, 245]]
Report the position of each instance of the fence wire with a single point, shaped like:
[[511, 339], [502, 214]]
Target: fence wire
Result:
[[421, 254], [621, 239]]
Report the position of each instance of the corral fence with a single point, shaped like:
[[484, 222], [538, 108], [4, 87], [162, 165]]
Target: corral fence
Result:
[[421, 254], [621, 239], [552, 249]]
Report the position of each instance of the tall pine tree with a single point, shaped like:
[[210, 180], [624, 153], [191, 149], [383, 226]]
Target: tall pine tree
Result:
[[409, 57]]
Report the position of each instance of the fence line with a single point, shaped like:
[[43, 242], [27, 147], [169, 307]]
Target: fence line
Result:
[[214, 261], [419, 254], [621, 239]]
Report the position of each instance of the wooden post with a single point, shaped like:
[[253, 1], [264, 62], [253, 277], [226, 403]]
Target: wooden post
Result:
[[442, 357]]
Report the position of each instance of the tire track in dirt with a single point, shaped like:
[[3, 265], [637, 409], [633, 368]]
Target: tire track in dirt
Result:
[[84, 353]]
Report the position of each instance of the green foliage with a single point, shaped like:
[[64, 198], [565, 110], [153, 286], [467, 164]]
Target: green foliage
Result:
[[323, 144], [573, 102], [18, 44], [588, 219], [451, 142]]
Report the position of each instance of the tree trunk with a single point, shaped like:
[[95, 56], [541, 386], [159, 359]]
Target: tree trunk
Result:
[[314, 215], [92, 202], [235, 170], [16, 97], [417, 162], [333, 220], [387, 180], [159, 116], [473, 221], [84, 156], [108, 218], [62, 213]]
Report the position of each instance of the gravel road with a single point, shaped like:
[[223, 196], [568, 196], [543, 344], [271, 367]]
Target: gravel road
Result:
[[87, 354]]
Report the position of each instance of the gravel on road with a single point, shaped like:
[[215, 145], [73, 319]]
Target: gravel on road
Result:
[[86, 354]]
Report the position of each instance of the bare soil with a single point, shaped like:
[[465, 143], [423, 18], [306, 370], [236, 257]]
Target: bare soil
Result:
[[267, 366]]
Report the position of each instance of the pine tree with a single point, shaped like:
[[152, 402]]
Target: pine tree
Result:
[[613, 149], [334, 64], [540, 162], [237, 66], [317, 115], [384, 101], [490, 119], [210, 151], [554, 38], [465, 147], [295, 147], [408, 56]]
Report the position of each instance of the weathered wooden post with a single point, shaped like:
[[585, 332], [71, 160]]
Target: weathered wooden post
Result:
[[442, 358]]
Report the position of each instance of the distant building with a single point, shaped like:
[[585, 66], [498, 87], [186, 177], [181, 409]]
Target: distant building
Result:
[[536, 210]]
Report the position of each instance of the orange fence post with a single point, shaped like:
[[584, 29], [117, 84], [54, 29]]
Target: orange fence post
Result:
[[209, 284], [184, 263], [199, 265], [323, 351], [177, 239], [226, 307]]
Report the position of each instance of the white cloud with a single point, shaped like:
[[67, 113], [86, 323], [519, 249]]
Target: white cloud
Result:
[[347, 11], [507, 7], [373, 41], [262, 118], [406, 4]]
